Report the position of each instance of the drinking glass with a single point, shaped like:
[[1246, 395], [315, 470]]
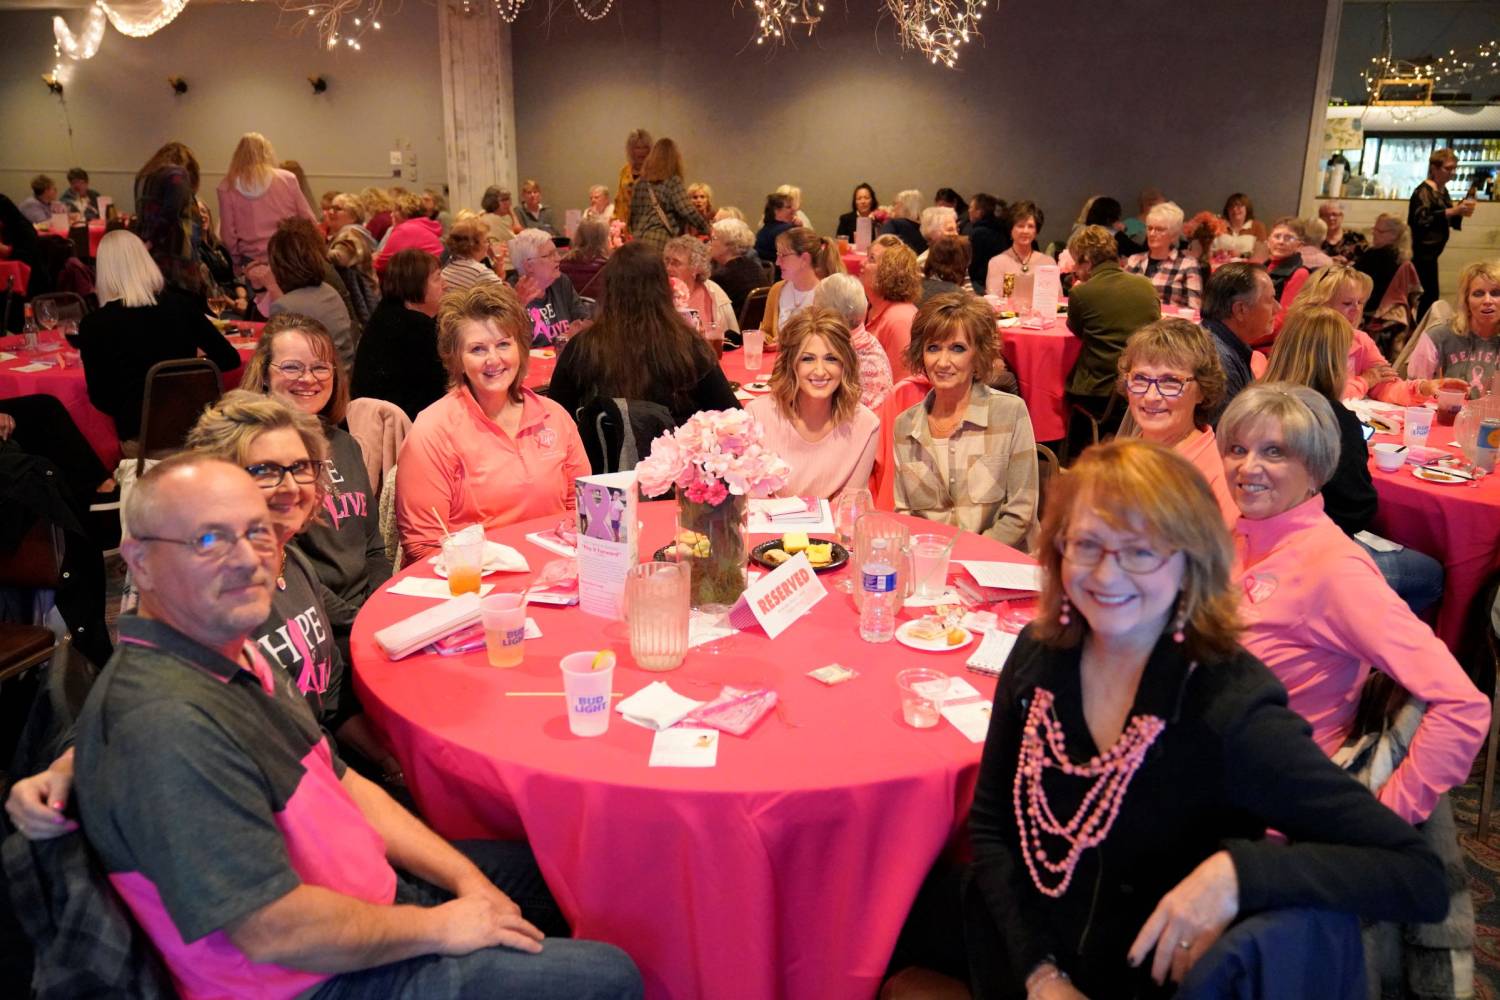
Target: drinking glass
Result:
[[753, 343], [880, 525], [46, 314], [504, 618], [587, 692], [922, 694], [218, 302], [851, 506], [929, 562], [656, 611], [463, 559]]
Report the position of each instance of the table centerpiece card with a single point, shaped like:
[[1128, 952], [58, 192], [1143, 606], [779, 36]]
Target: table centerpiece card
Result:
[[607, 537], [779, 598]]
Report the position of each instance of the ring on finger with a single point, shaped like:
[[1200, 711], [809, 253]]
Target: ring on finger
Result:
[[1185, 945]]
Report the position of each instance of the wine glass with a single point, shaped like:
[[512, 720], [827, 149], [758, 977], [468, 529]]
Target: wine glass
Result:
[[46, 315], [851, 506]]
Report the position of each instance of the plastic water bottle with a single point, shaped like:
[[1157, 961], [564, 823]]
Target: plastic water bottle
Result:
[[877, 618]]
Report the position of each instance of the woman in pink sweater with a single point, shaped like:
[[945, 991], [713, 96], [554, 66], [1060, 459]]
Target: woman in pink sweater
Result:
[[812, 417], [1318, 612], [1345, 290], [489, 452], [254, 196]]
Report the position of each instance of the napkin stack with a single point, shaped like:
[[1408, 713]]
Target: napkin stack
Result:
[[656, 706]]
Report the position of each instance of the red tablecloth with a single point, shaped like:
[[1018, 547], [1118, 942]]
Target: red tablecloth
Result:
[[1457, 525], [68, 385], [1042, 360], [784, 871], [96, 233], [854, 263]]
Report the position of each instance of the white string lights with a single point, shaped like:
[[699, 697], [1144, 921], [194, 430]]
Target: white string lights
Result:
[[76, 48], [339, 22], [139, 20], [937, 28], [777, 17]]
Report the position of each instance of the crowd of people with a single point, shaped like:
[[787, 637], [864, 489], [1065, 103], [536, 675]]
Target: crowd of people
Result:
[[1203, 642]]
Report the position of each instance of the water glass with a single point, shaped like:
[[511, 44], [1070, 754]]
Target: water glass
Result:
[[929, 562], [657, 604], [922, 694], [753, 343], [587, 692], [850, 507], [880, 525]]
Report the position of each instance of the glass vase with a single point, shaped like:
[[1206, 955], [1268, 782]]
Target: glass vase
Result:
[[712, 538]]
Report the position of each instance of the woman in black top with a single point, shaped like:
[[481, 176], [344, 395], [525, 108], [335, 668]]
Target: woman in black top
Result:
[[639, 347], [1128, 706], [861, 204], [778, 218], [142, 321], [397, 358]]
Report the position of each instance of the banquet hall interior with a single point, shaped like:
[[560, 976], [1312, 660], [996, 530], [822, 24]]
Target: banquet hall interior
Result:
[[749, 498]]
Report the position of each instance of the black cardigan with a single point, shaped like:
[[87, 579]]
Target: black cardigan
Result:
[[397, 359], [1233, 761], [119, 344], [1349, 497]]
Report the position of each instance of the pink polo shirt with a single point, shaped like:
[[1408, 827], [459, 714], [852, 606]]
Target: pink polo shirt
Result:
[[890, 323], [1364, 354], [463, 464], [1320, 616]]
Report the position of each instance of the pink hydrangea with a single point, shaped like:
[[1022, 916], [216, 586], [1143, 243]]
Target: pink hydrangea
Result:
[[714, 454]]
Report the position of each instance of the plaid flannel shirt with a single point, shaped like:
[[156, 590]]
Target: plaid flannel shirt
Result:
[[1178, 279]]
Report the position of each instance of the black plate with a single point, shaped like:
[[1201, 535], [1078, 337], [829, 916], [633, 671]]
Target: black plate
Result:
[[840, 554]]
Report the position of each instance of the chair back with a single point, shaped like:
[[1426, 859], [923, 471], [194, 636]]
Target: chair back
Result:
[[68, 305], [1439, 312], [904, 395], [617, 433], [78, 232], [390, 531], [36, 561], [1048, 468], [176, 394], [753, 313]]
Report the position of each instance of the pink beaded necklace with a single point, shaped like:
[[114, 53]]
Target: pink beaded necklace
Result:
[[1042, 747]]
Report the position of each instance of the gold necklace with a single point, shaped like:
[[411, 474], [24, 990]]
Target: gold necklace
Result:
[[1025, 264]]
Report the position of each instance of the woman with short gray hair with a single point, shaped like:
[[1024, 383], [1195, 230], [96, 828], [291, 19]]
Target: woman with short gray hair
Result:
[[737, 268], [1313, 599], [551, 301], [845, 295], [687, 260], [906, 210], [1177, 277]]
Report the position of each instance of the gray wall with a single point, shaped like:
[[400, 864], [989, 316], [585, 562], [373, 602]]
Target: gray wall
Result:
[[243, 74], [1066, 99]]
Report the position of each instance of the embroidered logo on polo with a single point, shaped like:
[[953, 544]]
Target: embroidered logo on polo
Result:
[[1259, 586]]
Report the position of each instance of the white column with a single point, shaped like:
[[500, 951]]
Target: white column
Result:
[[479, 106]]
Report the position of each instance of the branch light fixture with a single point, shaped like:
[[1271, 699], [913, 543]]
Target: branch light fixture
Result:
[[777, 17], [936, 28], [338, 22]]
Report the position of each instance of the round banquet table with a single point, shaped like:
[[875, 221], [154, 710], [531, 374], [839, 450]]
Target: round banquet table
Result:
[[63, 378], [1042, 361], [1458, 525], [784, 871]]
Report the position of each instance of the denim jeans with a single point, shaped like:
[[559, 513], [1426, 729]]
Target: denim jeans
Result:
[[1416, 578], [565, 969]]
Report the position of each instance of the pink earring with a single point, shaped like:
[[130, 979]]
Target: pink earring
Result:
[[1178, 635], [1064, 613]]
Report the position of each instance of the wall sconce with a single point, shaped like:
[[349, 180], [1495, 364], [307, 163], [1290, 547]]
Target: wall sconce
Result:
[[179, 85], [53, 83], [319, 84]]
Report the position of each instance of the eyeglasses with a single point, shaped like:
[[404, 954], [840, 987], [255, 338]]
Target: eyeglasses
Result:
[[269, 475], [294, 370], [216, 543], [1170, 386], [1136, 560]]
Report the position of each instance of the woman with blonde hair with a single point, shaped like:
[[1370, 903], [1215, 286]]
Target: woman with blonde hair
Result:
[[965, 455], [793, 195], [813, 417], [490, 451], [254, 196], [468, 245], [659, 205], [893, 284], [378, 207], [805, 258], [702, 197], [141, 320], [1345, 290], [1466, 347], [1130, 705], [1313, 351], [1173, 383]]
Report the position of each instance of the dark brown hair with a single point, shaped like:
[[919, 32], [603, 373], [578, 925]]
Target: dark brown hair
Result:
[[406, 275], [941, 316], [257, 375], [295, 253], [948, 259]]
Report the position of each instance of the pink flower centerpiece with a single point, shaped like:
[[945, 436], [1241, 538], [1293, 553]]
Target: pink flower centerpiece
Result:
[[716, 461]]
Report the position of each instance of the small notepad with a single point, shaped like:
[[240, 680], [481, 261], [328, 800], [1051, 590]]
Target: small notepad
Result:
[[1005, 575], [994, 649]]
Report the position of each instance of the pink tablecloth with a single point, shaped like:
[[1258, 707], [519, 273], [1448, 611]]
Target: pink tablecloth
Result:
[[1042, 360], [17, 272], [854, 263], [1457, 525], [96, 233], [68, 385], [784, 871]]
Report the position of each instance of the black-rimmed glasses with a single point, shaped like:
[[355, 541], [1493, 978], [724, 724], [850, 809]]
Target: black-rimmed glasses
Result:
[[269, 475]]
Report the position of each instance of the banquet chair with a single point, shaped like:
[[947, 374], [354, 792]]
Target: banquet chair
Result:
[[754, 310], [1048, 469], [35, 564], [176, 394], [1096, 424]]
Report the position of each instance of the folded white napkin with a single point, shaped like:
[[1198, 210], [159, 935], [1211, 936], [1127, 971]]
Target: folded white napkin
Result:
[[497, 559], [656, 706]]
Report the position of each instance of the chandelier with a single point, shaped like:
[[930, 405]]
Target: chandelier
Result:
[[936, 28], [779, 16]]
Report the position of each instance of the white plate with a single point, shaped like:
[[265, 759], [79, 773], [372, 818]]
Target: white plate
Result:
[[930, 645], [497, 559], [1438, 476], [756, 387]]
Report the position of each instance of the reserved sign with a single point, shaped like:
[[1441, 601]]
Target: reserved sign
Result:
[[780, 597]]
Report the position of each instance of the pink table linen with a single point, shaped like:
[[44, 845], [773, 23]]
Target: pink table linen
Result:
[[784, 871], [64, 379], [1042, 361], [1457, 525], [854, 263]]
